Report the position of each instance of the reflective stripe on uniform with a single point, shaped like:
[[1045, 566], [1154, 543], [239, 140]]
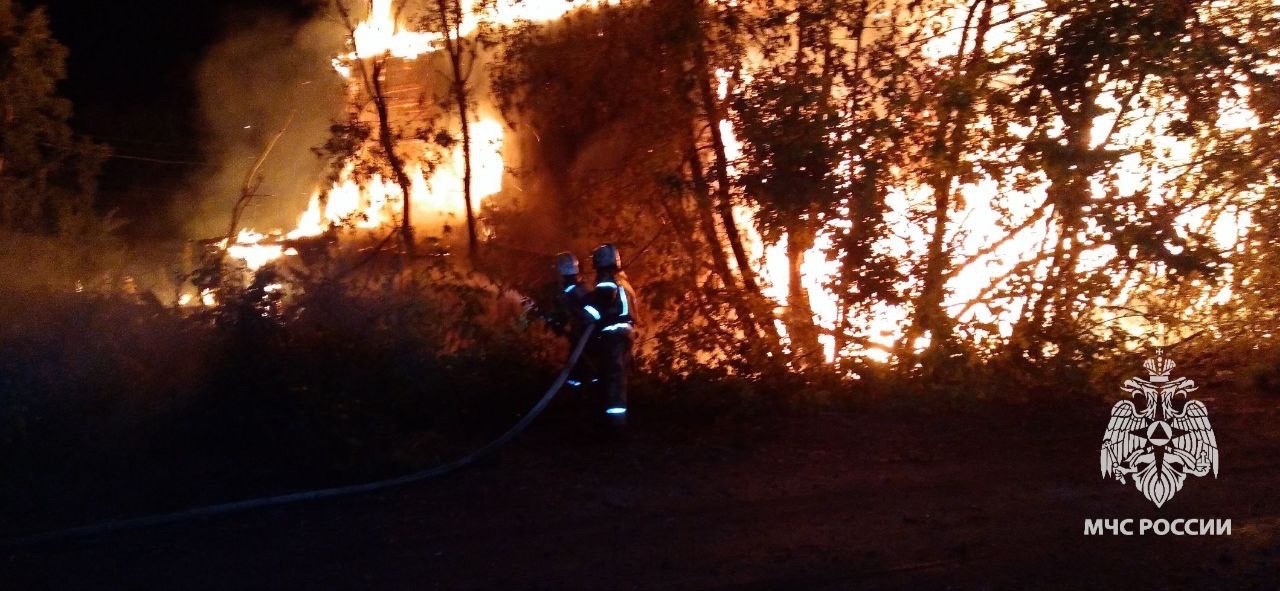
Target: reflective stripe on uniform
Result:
[[622, 294]]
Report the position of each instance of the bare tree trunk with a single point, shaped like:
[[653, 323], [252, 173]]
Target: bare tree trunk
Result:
[[249, 188], [707, 222], [464, 114], [1047, 310], [453, 45], [762, 307], [929, 315], [388, 140], [686, 235], [724, 202], [799, 318], [948, 143], [720, 263]]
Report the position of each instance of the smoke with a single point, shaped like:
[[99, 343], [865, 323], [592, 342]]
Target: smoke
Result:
[[269, 72]]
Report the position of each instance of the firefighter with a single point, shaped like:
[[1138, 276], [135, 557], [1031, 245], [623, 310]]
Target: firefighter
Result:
[[567, 316], [613, 300]]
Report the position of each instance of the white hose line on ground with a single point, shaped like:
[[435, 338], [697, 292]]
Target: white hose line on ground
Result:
[[313, 495]]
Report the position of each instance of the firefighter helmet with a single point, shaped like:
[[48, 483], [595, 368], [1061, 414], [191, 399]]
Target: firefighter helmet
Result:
[[566, 263], [606, 256]]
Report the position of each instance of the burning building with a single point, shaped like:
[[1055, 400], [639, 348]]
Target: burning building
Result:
[[397, 68], [392, 73]]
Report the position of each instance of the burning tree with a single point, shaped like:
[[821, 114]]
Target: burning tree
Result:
[[1101, 72], [395, 162], [370, 59], [789, 120], [449, 20], [951, 181]]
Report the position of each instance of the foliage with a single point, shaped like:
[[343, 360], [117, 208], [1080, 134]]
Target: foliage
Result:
[[344, 380], [47, 174], [614, 153]]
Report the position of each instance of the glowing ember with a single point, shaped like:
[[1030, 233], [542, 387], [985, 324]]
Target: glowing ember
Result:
[[248, 249]]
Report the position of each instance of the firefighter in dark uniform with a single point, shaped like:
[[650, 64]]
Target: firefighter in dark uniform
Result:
[[613, 301], [567, 316]]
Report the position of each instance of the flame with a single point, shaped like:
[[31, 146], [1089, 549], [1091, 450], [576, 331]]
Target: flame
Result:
[[437, 197], [436, 194], [380, 34], [377, 202], [248, 248], [977, 227]]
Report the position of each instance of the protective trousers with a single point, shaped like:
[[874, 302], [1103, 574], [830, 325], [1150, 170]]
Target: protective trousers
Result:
[[614, 357]]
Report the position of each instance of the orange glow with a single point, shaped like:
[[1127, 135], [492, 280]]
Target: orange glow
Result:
[[974, 229], [381, 34], [378, 202], [977, 226]]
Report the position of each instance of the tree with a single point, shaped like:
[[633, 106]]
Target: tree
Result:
[[356, 137], [792, 131], [47, 173], [708, 39], [448, 18], [957, 103], [608, 99], [1095, 70], [888, 92], [852, 131]]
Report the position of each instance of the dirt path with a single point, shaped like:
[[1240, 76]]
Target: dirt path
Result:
[[990, 498]]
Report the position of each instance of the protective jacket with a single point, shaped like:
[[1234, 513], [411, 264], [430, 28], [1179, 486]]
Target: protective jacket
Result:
[[567, 316], [613, 303], [614, 300]]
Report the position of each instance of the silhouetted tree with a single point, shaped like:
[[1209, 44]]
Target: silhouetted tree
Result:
[[47, 174], [462, 48]]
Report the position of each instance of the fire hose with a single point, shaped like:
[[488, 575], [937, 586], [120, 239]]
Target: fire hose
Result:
[[318, 494]]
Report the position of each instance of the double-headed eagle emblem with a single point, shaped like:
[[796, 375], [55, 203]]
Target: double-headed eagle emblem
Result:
[[1158, 447]]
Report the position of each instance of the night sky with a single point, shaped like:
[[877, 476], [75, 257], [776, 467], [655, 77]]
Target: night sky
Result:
[[131, 80]]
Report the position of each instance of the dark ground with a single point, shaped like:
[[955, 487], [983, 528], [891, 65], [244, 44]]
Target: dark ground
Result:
[[986, 496]]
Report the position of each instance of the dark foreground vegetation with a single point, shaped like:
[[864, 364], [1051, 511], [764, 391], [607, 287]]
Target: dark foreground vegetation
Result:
[[115, 407]]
